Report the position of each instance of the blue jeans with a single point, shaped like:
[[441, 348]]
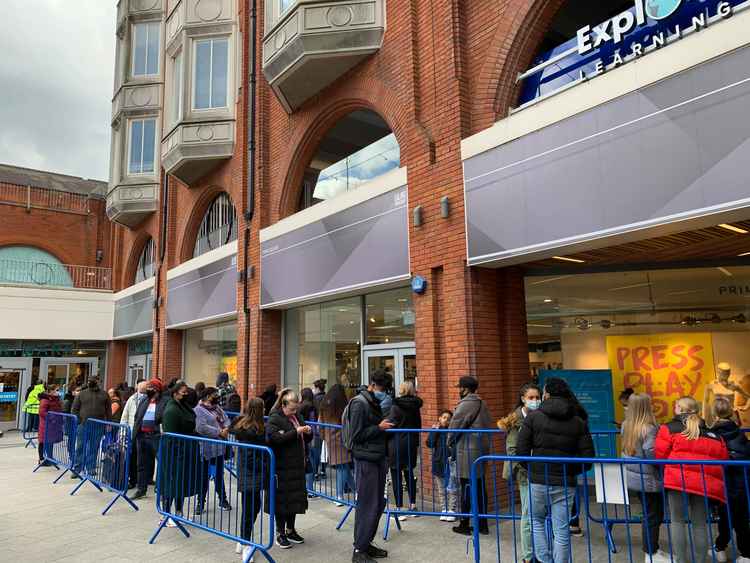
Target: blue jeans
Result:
[[89, 450], [344, 477], [557, 502]]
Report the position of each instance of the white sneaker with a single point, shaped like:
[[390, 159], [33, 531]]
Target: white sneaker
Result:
[[171, 523], [658, 557], [339, 504], [245, 552], [401, 517], [721, 556], [238, 548], [743, 560], [444, 516], [450, 517]]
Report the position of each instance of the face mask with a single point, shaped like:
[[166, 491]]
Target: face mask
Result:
[[379, 395], [533, 404], [151, 392], [214, 400]]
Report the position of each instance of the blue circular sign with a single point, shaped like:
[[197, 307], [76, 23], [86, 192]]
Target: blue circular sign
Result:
[[418, 285], [661, 9]]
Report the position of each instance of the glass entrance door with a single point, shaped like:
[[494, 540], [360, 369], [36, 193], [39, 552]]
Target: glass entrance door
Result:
[[68, 371], [401, 363], [10, 385]]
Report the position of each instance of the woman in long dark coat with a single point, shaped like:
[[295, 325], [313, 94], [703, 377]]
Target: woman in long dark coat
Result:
[[287, 436], [180, 475]]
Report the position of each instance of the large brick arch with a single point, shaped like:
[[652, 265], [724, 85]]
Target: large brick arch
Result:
[[37, 242], [309, 132], [196, 216], [128, 275], [510, 52]]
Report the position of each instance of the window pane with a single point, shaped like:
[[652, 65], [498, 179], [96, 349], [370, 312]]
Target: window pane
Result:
[[285, 5], [136, 142], [390, 317], [219, 78], [149, 141], [139, 49], [177, 88], [153, 48], [202, 75]]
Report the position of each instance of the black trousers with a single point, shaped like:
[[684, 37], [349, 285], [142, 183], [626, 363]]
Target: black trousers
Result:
[[218, 462], [653, 516], [133, 468], [398, 476], [466, 502], [148, 446], [251, 505], [370, 479], [285, 523], [739, 512]]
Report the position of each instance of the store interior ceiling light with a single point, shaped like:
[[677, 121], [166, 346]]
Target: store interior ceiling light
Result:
[[567, 259], [732, 228], [548, 300], [548, 280], [744, 254], [632, 286], [372, 319], [725, 271]]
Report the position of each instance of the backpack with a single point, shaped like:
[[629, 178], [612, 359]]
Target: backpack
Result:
[[346, 427]]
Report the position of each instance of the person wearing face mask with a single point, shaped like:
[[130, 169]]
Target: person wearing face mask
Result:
[[212, 422], [288, 436], [128, 417], [530, 399], [471, 413], [147, 431], [91, 402]]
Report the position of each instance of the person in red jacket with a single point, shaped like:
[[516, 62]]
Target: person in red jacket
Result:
[[50, 432], [690, 488]]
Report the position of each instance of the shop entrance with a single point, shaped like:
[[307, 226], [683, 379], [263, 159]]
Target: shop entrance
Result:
[[400, 361], [139, 367], [67, 371], [14, 372]]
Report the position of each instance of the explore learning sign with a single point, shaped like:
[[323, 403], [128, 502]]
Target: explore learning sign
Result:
[[666, 366]]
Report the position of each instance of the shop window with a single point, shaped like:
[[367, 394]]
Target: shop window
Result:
[[210, 73], [145, 268], [323, 341], [661, 332], [358, 149], [145, 49], [218, 227], [210, 350], [390, 317]]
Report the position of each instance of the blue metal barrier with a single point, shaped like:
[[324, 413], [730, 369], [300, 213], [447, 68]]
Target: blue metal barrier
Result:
[[102, 458], [687, 509], [59, 441], [241, 504], [30, 429]]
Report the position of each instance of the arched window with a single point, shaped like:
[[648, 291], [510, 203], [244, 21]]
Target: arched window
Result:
[[219, 225], [27, 264], [358, 149], [145, 268]]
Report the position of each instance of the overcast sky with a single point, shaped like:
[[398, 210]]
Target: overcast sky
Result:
[[56, 77]]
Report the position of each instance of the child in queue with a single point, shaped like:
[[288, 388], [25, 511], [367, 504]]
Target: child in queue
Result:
[[690, 488], [444, 476]]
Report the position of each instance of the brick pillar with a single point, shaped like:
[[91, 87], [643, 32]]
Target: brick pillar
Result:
[[117, 363]]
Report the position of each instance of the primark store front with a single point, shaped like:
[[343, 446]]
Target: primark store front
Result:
[[625, 163]]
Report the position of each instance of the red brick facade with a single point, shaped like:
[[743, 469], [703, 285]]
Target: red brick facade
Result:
[[446, 70]]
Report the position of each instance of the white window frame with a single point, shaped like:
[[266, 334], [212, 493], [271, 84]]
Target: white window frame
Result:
[[194, 88], [143, 141], [132, 49], [178, 88]]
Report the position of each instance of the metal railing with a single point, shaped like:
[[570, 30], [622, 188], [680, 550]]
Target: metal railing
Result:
[[43, 198], [47, 274]]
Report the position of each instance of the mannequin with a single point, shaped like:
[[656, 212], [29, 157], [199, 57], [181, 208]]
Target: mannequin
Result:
[[723, 387]]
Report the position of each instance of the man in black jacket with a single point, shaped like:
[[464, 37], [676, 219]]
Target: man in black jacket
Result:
[[147, 433], [91, 402], [555, 430], [370, 451]]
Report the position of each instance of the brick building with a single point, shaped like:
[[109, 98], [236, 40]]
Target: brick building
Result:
[[566, 178]]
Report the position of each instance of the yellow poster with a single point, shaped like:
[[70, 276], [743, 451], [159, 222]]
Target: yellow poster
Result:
[[229, 365], [666, 366]]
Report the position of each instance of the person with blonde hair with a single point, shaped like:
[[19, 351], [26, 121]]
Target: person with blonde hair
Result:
[[736, 509], [644, 481], [403, 448], [690, 488]]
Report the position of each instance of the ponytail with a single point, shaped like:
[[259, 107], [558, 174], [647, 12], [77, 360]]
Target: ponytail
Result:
[[693, 422]]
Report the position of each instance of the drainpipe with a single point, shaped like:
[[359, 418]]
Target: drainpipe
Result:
[[162, 254], [251, 111]]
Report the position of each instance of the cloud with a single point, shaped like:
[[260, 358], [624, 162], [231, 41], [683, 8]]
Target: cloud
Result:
[[56, 79]]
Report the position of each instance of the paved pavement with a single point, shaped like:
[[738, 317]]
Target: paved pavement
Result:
[[41, 522]]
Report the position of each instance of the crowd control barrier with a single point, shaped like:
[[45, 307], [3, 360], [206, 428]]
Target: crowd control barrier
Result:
[[30, 429], [679, 523], [59, 441], [102, 458], [237, 505]]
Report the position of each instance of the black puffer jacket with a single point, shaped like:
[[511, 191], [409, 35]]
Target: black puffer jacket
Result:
[[555, 430], [289, 449], [739, 450], [92, 402], [364, 417], [251, 463], [403, 447]]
